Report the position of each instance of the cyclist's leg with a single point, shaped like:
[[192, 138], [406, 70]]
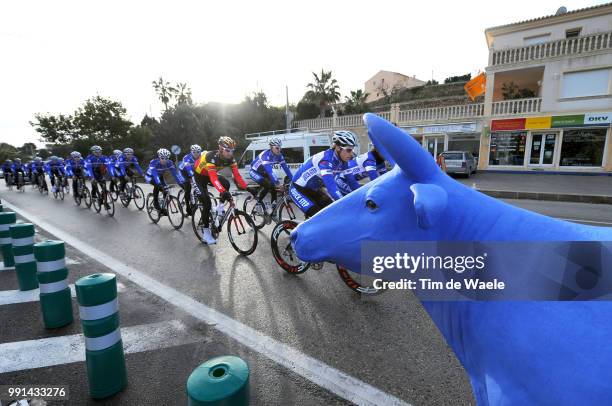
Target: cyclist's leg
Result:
[[202, 182], [187, 190], [303, 199], [156, 189]]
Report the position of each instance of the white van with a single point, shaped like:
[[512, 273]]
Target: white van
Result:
[[299, 144]]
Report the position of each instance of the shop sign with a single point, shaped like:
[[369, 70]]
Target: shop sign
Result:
[[568, 121], [511, 124], [597, 118], [536, 123]]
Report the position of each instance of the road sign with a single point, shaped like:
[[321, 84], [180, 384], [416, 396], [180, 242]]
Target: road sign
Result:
[[175, 149]]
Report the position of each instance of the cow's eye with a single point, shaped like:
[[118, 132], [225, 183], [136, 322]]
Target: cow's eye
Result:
[[371, 204]]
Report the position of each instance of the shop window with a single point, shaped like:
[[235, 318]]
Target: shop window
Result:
[[507, 148], [469, 143], [586, 83], [583, 147]]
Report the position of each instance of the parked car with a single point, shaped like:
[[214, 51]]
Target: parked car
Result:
[[460, 162]]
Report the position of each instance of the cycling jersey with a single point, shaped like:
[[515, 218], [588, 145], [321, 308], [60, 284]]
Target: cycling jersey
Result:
[[187, 163], [6, 167], [73, 166], [96, 165], [366, 165], [17, 168], [156, 168], [52, 167], [320, 170], [112, 166], [265, 161], [210, 162], [123, 163]]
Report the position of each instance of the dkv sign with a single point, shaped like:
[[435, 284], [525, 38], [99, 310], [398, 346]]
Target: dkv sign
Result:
[[597, 118]]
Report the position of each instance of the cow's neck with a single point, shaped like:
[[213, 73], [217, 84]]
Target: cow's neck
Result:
[[489, 219]]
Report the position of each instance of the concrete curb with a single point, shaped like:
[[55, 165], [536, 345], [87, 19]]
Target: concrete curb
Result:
[[556, 197]]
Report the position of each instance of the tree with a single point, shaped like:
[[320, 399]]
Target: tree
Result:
[[101, 121], [7, 151], [510, 90], [323, 91], [431, 82], [463, 78], [183, 94], [164, 91], [356, 103], [52, 128]]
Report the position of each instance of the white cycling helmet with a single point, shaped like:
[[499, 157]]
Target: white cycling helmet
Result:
[[195, 148], [344, 138], [117, 152], [276, 142], [163, 153], [128, 151], [74, 154], [96, 148]]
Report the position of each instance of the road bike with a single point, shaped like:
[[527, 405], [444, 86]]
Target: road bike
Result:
[[169, 205], [82, 193], [264, 213], [134, 193], [102, 198]]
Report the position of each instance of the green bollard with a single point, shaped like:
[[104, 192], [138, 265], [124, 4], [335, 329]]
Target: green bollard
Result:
[[22, 240], [7, 218], [98, 310], [1, 207], [219, 381], [55, 299]]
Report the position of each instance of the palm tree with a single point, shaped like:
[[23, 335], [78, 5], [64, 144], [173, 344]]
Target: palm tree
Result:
[[183, 94], [323, 91], [164, 91], [356, 103]]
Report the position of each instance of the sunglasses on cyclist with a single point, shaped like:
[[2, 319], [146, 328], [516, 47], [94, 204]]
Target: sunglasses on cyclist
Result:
[[227, 149], [347, 149]]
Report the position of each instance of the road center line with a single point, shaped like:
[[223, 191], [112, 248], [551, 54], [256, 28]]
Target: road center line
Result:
[[316, 371]]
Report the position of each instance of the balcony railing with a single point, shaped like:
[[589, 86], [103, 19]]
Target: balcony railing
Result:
[[552, 49], [353, 120], [442, 113], [517, 106]]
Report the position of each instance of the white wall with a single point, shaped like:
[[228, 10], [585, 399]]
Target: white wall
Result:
[[552, 81], [589, 26]]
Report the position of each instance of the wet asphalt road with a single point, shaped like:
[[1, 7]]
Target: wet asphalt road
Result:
[[388, 341]]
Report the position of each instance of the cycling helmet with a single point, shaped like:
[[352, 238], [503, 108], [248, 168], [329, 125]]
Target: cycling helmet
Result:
[[38, 159], [227, 142], [8, 161], [163, 153], [276, 142], [117, 152], [128, 151], [96, 148], [75, 154], [195, 148], [17, 160], [60, 159], [344, 138], [52, 158]]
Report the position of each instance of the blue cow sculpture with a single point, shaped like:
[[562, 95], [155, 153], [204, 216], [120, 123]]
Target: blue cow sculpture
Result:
[[515, 353]]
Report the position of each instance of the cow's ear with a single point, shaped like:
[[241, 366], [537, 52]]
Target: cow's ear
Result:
[[430, 201]]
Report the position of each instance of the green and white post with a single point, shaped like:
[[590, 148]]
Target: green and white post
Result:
[[22, 240], [7, 218], [99, 313], [219, 381], [55, 298]]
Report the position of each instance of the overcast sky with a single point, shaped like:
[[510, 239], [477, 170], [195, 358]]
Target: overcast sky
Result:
[[56, 54]]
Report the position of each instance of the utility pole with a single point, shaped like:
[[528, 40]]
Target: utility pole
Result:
[[287, 118]]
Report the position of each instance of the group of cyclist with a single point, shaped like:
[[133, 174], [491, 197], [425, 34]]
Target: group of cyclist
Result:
[[325, 177]]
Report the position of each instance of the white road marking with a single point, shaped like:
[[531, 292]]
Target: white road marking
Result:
[[4, 268], [316, 371], [16, 296], [46, 352], [587, 221]]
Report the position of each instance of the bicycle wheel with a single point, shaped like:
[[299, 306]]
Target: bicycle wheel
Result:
[[87, 197], [175, 212], [153, 213], [196, 222], [282, 249], [114, 194], [97, 203], [125, 198], [181, 197], [242, 232], [287, 210], [257, 212], [60, 193], [139, 198], [78, 196], [358, 287], [109, 205]]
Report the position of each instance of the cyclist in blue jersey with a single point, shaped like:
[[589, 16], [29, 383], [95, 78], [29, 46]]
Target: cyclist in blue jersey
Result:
[[186, 167], [16, 168], [320, 171], [262, 170], [113, 169], [96, 168], [370, 164], [55, 169], [75, 168], [38, 168], [6, 169], [155, 175], [126, 162]]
